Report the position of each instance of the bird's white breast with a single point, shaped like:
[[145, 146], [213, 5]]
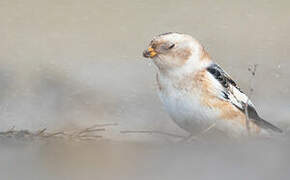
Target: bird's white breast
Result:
[[184, 106]]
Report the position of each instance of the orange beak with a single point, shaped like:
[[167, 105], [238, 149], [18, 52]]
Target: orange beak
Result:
[[149, 53]]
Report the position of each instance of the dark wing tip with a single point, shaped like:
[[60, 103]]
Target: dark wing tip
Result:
[[253, 115], [268, 125]]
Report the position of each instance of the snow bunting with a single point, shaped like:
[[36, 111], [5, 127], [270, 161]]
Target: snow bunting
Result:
[[197, 92]]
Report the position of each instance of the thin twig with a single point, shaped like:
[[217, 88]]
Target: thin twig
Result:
[[83, 134], [54, 134], [195, 137], [252, 70], [89, 130], [153, 132], [104, 125], [41, 132], [208, 128]]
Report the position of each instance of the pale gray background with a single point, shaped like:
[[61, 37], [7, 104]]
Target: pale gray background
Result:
[[71, 64]]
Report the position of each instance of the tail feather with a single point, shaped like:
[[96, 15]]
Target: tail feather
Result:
[[253, 115], [266, 125]]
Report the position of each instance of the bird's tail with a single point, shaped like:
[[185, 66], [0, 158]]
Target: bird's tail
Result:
[[266, 125], [253, 115]]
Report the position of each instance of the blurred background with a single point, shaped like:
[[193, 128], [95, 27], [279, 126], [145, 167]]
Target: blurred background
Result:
[[71, 64]]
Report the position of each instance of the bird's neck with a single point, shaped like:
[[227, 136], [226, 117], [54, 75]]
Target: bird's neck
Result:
[[193, 66]]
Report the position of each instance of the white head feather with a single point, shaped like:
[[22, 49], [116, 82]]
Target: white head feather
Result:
[[175, 53]]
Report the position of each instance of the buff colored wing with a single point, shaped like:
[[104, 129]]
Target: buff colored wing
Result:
[[229, 91]]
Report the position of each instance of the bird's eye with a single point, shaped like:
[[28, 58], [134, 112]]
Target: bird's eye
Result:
[[171, 46], [153, 45]]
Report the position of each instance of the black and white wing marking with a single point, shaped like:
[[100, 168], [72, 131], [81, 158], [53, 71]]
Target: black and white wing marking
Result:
[[229, 89], [231, 92]]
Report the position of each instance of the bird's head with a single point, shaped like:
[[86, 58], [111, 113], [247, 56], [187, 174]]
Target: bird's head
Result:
[[173, 51]]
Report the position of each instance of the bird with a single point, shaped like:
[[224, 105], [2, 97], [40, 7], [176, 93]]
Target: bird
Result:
[[197, 93]]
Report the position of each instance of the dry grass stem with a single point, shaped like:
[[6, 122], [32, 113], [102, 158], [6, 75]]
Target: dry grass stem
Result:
[[154, 132], [252, 70], [82, 134]]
